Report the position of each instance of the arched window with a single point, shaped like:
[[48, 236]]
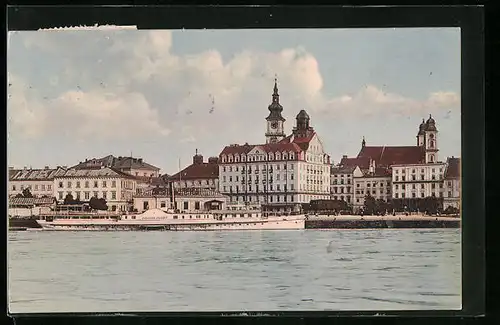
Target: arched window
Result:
[[431, 144], [278, 156], [243, 157], [284, 156], [223, 158], [230, 158], [236, 158], [271, 156], [431, 158]]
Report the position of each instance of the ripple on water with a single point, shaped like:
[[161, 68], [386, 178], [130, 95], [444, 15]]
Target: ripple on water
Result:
[[234, 271]]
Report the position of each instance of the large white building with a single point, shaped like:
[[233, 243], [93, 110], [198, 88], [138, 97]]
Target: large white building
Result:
[[405, 172], [283, 172], [40, 182], [116, 187]]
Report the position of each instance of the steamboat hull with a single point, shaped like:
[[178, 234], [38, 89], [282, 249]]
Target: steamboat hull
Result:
[[283, 224]]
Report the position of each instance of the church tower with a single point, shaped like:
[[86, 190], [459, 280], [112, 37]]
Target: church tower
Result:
[[431, 147], [421, 134], [275, 122]]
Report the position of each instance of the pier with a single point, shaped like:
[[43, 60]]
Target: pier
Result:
[[387, 221]]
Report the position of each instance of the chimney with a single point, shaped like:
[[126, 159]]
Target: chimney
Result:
[[372, 166], [344, 157], [197, 159], [24, 168], [140, 160], [46, 167]]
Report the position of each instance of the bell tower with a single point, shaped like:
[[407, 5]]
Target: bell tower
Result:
[[275, 122], [430, 142]]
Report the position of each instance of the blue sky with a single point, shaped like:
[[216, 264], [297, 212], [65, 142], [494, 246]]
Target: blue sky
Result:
[[83, 94]]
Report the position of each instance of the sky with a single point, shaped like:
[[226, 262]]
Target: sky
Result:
[[162, 94]]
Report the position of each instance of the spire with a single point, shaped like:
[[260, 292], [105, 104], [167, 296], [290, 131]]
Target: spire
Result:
[[363, 143], [276, 96], [196, 151]]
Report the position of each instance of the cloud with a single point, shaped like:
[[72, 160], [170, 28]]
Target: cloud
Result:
[[116, 83]]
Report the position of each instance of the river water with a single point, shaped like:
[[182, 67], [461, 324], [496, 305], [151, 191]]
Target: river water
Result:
[[380, 269]]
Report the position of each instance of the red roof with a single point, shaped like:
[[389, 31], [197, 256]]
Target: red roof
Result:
[[363, 162], [387, 156], [379, 172], [302, 142], [452, 168], [197, 171], [268, 147]]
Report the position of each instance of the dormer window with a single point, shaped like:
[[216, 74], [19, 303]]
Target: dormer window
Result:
[[284, 156], [278, 156], [243, 157], [271, 156], [236, 158], [224, 158]]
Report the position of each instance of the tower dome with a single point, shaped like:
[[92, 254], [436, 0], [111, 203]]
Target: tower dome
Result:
[[303, 115], [275, 107], [421, 128], [430, 124]]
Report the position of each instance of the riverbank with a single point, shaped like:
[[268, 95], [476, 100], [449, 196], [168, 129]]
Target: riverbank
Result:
[[388, 221]]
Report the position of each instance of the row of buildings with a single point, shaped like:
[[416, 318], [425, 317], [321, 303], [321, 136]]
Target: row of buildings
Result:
[[281, 173]]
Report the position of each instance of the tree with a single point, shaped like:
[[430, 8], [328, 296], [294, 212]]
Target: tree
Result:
[[381, 206], [98, 204], [370, 205], [69, 199], [27, 193]]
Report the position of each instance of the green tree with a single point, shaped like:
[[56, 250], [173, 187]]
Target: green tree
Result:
[[370, 205], [69, 199], [98, 204]]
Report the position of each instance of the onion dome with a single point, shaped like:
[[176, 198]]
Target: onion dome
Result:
[[430, 124], [275, 108], [421, 128]]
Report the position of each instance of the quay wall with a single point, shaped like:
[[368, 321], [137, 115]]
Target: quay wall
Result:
[[367, 222]]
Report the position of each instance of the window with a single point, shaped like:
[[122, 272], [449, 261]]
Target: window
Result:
[[421, 177], [36, 187], [60, 184], [403, 187], [422, 186], [104, 184], [78, 184], [96, 194], [60, 195], [403, 195], [43, 187], [96, 184], [186, 205], [86, 184], [397, 178], [223, 178], [113, 195], [396, 195], [449, 193], [87, 195], [422, 194], [13, 187], [49, 187], [413, 195], [403, 178], [412, 177], [197, 205]]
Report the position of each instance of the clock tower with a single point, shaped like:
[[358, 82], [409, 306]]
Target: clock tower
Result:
[[275, 122]]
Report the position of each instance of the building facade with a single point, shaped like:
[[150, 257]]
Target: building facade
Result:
[[452, 183], [184, 200], [342, 183], [199, 174], [116, 187], [283, 172], [40, 182], [418, 180]]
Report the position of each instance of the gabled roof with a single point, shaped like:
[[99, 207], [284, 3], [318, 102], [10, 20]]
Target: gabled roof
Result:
[[452, 168], [288, 144], [336, 170], [95, 172], [197, 171], [389, 155], [35, 174], [116, 162], [362, 162]]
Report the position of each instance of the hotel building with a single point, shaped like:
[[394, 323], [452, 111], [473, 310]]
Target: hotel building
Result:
[[283, 172]]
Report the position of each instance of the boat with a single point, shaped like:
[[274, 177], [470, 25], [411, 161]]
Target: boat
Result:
[[172, 220]]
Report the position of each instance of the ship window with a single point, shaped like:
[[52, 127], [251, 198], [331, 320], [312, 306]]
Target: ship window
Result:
[[133, 217], [175, 217], [182, 217], [190, 217]]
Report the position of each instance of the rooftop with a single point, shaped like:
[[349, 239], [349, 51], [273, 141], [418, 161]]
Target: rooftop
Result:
[[392, 155], [120, 163], [35, 174], [96, 172], [452, 169]]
